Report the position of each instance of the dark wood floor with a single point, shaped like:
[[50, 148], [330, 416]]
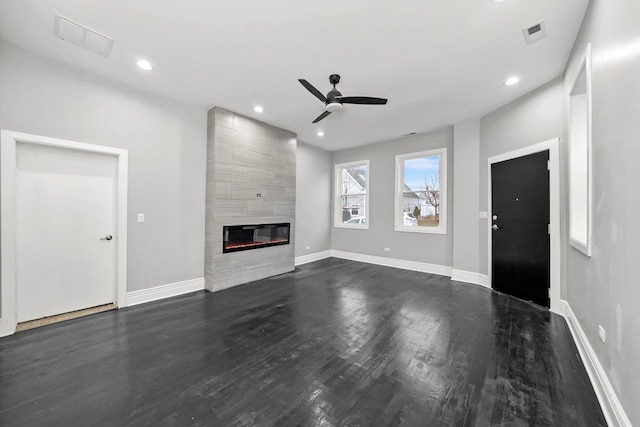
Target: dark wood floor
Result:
[[334, 343]]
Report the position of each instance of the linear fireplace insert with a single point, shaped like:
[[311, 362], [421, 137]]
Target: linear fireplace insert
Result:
[[245, 237]]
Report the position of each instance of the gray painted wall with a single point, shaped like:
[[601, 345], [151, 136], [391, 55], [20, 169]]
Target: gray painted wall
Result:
[[533, 118], [167, 149], [604, 289], [428, 248], [466, 166], [313, 200], [245, 158]]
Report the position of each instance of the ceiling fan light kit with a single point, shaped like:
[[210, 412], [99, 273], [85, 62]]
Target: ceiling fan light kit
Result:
[[332, 107], [334, 100]]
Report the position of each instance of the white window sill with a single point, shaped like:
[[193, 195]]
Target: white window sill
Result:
[[353, 226], [421, 230]]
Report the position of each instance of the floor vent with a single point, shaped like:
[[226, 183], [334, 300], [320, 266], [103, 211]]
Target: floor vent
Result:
[[535, 32], [82, 36]]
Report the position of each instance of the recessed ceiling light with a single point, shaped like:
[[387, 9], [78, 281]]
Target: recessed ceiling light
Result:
[[258, 109], [145, 65], [320, 133], [498, 1], [511, 81]]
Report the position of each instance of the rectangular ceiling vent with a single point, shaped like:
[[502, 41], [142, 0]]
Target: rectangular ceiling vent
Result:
[[82, 36], [535, 32]]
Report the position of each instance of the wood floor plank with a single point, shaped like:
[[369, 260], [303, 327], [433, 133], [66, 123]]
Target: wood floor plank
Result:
[[335, 342]]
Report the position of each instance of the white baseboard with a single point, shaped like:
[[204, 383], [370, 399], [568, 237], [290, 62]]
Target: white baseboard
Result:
[[611, 406], [317, 256], [443, 270], [164, 291], [470, 277], [423, 267], [563, 309]]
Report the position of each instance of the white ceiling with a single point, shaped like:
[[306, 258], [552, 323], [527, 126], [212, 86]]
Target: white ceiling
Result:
[[438, 62]]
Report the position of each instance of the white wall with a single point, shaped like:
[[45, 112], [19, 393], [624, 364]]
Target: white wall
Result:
[[466, 167], [167, 149], [313, 200], [421, 247], [604, 289]]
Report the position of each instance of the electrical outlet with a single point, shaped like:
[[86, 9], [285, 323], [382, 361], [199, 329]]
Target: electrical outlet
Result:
[[602, 334], [308, 247], [387, 249]]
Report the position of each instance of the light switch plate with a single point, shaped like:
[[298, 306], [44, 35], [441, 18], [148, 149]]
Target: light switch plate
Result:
[[141, 217]]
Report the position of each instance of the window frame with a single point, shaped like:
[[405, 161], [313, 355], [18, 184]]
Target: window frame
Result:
[[399, 192], [580, 166], [337, 215]]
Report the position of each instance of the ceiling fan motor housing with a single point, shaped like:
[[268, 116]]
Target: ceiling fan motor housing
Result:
[[333, 104]]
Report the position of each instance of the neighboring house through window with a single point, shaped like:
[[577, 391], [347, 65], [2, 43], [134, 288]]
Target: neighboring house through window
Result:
[[351, 205], [421, 192]]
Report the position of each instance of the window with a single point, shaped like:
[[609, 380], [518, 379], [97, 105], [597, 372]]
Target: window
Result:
[[421, 192], [580, 180], [352, 204]]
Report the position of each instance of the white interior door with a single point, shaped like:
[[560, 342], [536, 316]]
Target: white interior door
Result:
[[66, 206]]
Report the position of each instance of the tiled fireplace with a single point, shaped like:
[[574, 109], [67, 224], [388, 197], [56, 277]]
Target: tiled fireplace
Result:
[[250, 201]]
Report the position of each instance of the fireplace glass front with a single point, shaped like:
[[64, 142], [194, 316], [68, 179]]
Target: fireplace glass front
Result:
[[245, 237]]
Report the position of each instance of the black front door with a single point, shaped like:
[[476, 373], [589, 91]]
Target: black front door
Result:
[[520, 235]]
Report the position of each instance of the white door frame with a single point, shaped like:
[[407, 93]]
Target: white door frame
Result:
[[554, 212], [9, 141]]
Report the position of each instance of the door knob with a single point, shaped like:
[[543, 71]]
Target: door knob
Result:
[[109, 237], [495, 227]]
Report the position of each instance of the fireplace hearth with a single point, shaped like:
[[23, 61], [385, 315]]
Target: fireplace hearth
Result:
[[245, 237]]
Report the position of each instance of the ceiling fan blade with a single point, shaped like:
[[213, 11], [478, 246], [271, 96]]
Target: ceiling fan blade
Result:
[[321, 116], [361, 100], [313, 90]]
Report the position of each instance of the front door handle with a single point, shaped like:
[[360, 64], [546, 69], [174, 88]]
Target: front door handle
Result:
[[495, 227], [109, 237]]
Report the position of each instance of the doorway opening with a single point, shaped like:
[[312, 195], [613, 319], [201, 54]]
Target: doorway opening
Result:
[[524, 223], [40, 176]]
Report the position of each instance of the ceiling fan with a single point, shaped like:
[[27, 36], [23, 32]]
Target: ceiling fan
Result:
[[334, 99]]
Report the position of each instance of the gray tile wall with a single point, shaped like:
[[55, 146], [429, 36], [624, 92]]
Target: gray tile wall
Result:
[[244, 158]]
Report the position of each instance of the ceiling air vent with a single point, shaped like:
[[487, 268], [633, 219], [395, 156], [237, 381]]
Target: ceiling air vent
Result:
[[82, 36], [535, 32]]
